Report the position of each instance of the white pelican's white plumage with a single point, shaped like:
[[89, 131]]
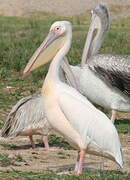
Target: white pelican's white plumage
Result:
[[105, 78], [69, 113], [26, 120], [27, 116]]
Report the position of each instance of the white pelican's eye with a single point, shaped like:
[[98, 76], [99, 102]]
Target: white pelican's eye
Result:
[[57, 29]]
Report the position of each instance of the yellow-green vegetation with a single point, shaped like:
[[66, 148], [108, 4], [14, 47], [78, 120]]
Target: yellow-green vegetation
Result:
[[91, 175]]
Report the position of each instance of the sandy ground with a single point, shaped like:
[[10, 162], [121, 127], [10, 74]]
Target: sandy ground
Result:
[[22, 157], [60, 7]]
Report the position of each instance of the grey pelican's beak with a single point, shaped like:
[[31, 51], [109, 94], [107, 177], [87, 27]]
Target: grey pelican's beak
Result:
[[90, 36], [45, 52]]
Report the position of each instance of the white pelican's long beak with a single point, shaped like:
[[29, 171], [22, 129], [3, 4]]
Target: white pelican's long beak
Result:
[[45, 52]]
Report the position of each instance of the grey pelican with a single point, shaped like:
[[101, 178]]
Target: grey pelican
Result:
[[27, 117], [105, 78], [86, 128]]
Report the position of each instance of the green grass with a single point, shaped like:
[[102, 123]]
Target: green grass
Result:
[[59, 142], [8, 146], [123, 126], [5, 160], [88, 175], [3, 156]]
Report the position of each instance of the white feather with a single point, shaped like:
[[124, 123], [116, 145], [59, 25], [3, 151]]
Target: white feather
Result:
[[98, 92], [95, 129]]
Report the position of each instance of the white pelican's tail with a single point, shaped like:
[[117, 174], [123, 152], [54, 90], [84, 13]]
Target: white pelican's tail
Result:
[[119, 158]]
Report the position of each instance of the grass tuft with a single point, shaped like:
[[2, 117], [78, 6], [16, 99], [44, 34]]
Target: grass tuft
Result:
[[50, 175]]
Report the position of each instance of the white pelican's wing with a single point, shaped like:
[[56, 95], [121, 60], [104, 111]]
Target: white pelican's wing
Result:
[[114, 69], [93, 126]]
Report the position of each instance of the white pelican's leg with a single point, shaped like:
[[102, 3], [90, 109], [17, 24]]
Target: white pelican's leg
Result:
[[81, 161], [113, 116], [77, 162], [32, 141], [78, 166]]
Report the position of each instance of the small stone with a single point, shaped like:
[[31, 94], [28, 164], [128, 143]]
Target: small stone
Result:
[[11, 156]]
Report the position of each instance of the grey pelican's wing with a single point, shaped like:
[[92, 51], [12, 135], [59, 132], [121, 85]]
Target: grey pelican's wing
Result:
[[27, 111], [114, 69]]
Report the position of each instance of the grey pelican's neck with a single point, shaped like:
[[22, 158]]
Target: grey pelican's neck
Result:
[[53, 72]]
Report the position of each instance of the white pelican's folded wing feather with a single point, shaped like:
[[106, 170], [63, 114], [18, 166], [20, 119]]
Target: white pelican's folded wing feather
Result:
[[114, 69], [98, 134]]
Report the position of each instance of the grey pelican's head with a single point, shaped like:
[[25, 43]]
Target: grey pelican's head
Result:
[[100, 17], [55, 40]]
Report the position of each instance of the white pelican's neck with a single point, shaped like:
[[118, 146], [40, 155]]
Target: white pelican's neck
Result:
[[53, 72]]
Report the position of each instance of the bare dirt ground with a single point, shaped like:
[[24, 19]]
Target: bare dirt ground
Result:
[[22, 157], [118, 8]]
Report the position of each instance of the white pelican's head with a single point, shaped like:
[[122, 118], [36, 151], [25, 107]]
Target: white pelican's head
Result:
[[55, 40]]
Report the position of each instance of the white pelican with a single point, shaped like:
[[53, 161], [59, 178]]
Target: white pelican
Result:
[[105, 78], [27, 117], [21, 122], [69, 113]]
